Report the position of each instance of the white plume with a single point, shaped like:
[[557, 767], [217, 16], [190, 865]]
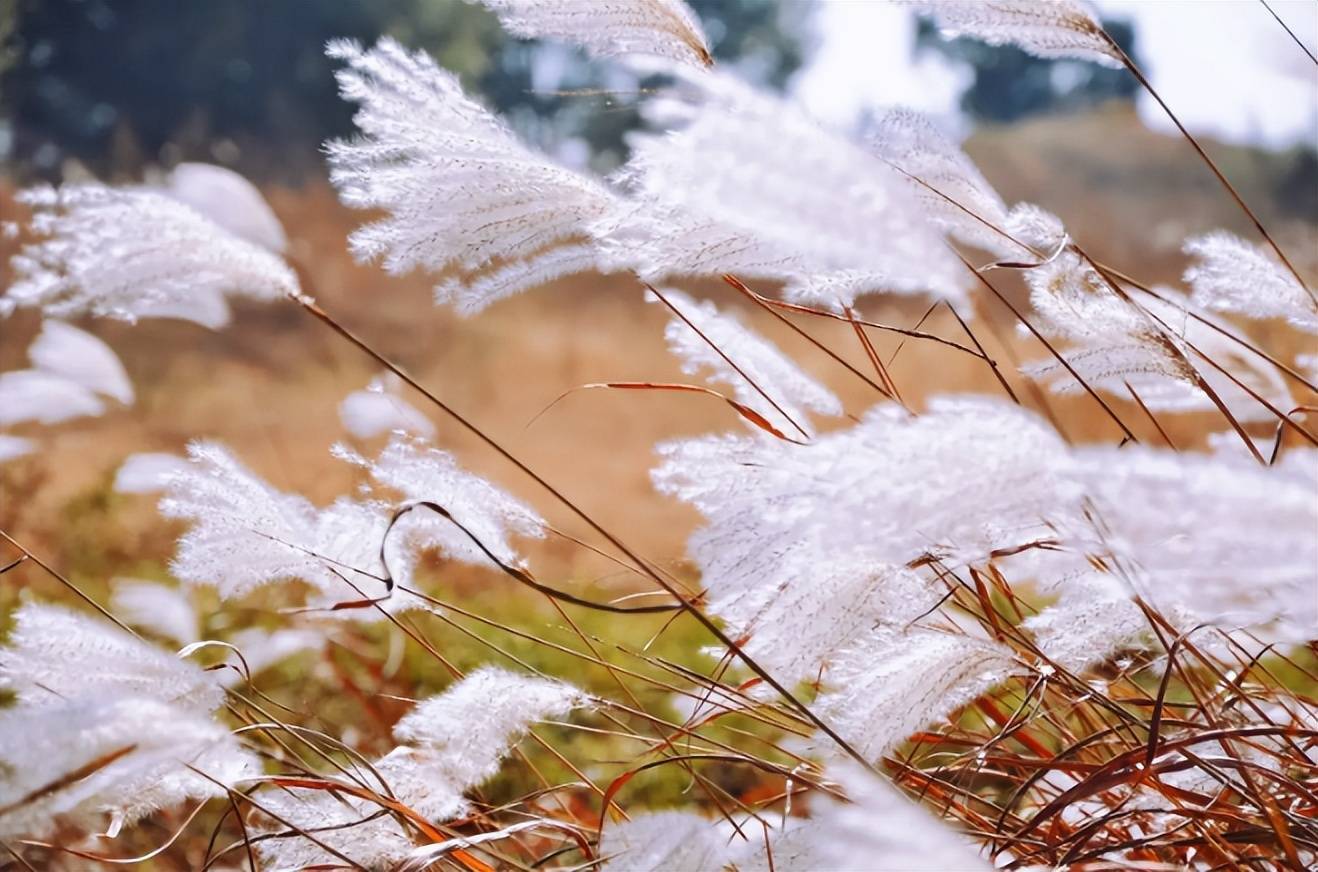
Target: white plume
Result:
[[665, 841], [1224, 539], [125, 757], [80, 357], [605, 28], [1231, 275], [761, 362], [131, 253], [459, 187], [452, 742], [898, 682], [33, 395], [378, 409], [422, 473], [877, 491], [229, 200], [164, 610], [1152, 350], [246, 534], [148, 472], [104, 723], [262, 649], [799, 624], [879, 827], [751, 184], [469, 296], [1046, 28], [56, 655], [962, 202]]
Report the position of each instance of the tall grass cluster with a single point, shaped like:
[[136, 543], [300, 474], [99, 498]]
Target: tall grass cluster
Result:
[[918, 636]]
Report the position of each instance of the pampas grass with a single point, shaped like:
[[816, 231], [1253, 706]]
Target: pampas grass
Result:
[[915, 635]]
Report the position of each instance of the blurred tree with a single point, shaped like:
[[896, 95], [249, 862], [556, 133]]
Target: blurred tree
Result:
[[122, 83], [1010, 84]]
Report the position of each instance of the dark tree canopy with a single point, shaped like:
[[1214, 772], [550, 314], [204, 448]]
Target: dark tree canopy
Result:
[[119, 83]]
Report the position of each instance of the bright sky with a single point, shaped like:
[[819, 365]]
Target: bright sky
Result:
[[1224, 66]]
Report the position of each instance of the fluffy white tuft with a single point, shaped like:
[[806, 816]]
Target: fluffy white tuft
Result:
[[1231, 275], [133, 756], [452, 742], [229, 200], [1151, 349], [891, 832], [605, 28], [378, 409], [104, 723], [1046, 28], [148, 472], [899, 681], [876, 491], [761, 362], [751, 184], [55, 655], [129, 254], [33, 395], [961, 200], [459, 187], [423, 473], [666, 841], [82, 358], [247, 534], [12, 447], [148, 605]]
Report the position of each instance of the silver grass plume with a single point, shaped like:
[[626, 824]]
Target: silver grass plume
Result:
[[897, 681], [379, 409], [666, 841], [141, 753], [877, 491], [247, 534], [607, 28], [460, 188], [82, 358], [879, 827], [801, 625], [163, 610], [1118, 347], [961, 200], [891, 832], [750, 184], [763, 363], [71, 370], [54, 655], [422, 473], [1045, 28], [34, 395], [90, 695], [449, 743], [1221, 539], [229, 200], [148, 472], [1231, 275], [1209, 541], [130, 253]]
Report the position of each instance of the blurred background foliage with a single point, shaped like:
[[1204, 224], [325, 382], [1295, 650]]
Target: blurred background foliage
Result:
[[246, 82], [102, 81]]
